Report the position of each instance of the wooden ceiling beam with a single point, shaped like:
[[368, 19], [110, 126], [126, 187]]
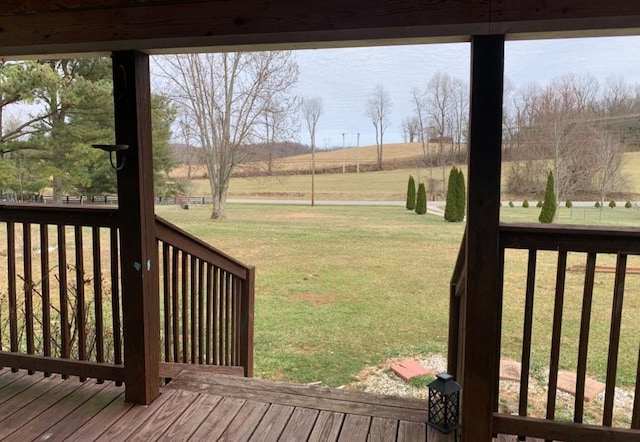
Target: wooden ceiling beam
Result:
[[39, 27]]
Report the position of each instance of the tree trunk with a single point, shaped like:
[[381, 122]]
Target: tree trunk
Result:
[[57, 190], [219, 204]]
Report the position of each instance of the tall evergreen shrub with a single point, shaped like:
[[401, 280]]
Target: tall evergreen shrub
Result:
[[411, 194], [450, 209], [421, 200], [462, 197], [548, 211]]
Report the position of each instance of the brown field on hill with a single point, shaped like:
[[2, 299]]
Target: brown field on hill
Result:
[[365, 158]]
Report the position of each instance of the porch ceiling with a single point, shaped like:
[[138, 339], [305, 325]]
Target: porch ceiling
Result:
[[40, 27]]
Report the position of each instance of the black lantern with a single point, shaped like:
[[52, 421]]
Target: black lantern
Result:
[[444, 403]]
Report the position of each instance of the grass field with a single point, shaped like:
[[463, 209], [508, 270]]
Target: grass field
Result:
[[342, 288], [387, 185]]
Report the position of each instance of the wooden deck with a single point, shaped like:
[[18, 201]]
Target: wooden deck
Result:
[[199, 406]]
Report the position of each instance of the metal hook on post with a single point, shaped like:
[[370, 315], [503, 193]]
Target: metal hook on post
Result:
[[112, 148]]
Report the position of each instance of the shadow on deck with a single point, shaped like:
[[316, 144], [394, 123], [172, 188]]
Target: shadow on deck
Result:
[[198, 406]]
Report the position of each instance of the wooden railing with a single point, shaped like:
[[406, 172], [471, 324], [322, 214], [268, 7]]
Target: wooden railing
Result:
[[584, 246], [207, 302], [60, 292], [60, 295]]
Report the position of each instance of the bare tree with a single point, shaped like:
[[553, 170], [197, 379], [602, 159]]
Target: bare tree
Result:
[[222, 97], [439, 102], [311, 111], [379, 109], [280, 123], [607, 161], [411, 129], [460, 114]]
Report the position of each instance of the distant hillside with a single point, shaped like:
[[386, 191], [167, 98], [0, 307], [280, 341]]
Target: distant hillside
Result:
[[399, 155]]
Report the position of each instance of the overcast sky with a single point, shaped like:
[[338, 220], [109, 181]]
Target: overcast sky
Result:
[[345, 78]]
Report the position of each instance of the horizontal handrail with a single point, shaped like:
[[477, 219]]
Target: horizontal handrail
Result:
[[172, 234], [59, 214], [570, 238], [551, 430]]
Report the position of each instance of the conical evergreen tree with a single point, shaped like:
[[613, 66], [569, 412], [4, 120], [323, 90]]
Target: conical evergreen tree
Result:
[[411, 194], [450, 209], [461, 196], [548, 211], [421, 201]]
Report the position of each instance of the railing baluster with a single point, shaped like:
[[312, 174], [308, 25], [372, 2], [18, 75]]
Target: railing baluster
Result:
[[227, 317], [221, 324], [115, 298], [97, 294], [193, 289], [234, 359], [556, 334], [174, 302], [583, 347], [80, 301], [209, 315], [46, 291], [635, 419], [614, 339], [185, 309], [215, 335], [11, 276], [65, 349], [166, 290], [28, 287], [528, 327], [201, 312]]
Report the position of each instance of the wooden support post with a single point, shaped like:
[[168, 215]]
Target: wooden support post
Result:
[[246, 322], [481, 350], [139, 255]]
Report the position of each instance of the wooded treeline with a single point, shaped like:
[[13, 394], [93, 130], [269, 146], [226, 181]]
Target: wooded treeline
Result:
[[576, 127]]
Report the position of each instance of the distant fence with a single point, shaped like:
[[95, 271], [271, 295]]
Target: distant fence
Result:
[[112, 200]]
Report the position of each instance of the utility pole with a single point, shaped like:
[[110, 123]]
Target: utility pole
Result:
[[344, 166], [358, 155]]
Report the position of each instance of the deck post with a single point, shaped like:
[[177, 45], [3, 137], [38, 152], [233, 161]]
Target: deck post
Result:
[[246, 322], [139, 255], [481, 332]]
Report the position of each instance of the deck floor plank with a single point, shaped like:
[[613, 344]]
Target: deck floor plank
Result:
[[66, 426], [219, 419], [10, 385], [244, 424], [327, 427], [300, 425], [67, 405], [286, 398], [30, 392], [26, 415], [355, 428], [315, 391], [411, 431], [272, 424], [164, 416], [383, 430], [191, 419], [94, 428], [134, 418], [53, 409]]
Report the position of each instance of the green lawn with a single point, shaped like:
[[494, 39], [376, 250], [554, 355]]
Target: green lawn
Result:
[[341, 288]]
